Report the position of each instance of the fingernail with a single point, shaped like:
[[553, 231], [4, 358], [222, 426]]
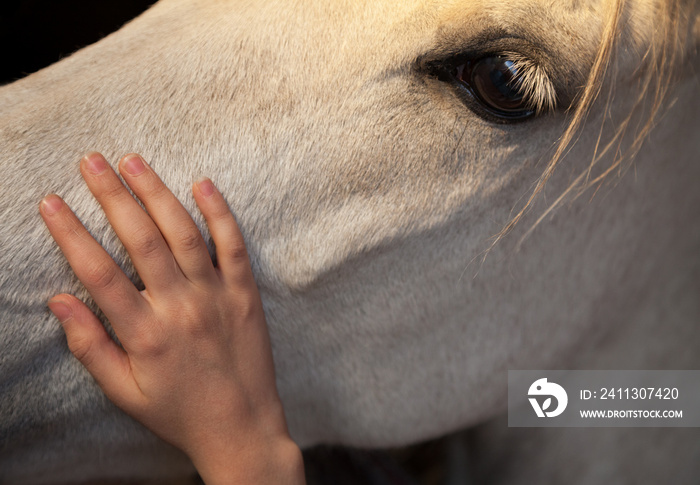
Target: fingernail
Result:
[[51, 204], [206, 187], [133, 164], [95, 163], [60, 310]]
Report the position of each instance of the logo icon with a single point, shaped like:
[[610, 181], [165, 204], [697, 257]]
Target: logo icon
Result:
[[543, 388]]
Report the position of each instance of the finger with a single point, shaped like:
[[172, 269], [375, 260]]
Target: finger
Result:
[[106, 282], [231, 252], [94, 348], [148, 251], [173, 221]]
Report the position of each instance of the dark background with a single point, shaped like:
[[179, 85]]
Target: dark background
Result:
[[37, 33]]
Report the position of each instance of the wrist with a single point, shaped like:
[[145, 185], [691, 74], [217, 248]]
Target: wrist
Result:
[[277, 462]]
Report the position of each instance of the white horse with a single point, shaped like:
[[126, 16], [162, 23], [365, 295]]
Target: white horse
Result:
[[370, 151]]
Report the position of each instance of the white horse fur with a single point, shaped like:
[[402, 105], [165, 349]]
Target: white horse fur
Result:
[[368, 194]]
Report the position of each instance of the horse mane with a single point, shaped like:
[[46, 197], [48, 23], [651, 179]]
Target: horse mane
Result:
[[668, 44]]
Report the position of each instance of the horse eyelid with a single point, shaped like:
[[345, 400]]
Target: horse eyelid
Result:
[[537, 87]]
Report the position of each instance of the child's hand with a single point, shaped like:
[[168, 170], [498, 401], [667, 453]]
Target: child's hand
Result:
[[196, 367]]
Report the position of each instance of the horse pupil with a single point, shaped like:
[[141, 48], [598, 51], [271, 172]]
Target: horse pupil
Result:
[[495, 80], [502, 79]]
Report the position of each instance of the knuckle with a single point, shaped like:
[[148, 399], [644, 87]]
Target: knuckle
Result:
[[146, 242], [112, 190], [76, 232], [248, 306], [69, 228], [81, 348], [221, 213], [101, 275], [237, 251], [150, 341], [156, 188], [195, 310], [189, 240], [199, 316]]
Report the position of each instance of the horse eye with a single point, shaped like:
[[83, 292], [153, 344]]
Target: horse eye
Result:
[[497, 84]]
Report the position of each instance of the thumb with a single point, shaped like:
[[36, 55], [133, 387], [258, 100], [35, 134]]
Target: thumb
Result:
[[94, 348]]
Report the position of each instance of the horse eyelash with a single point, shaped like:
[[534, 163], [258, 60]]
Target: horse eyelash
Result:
[[534, 83]]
